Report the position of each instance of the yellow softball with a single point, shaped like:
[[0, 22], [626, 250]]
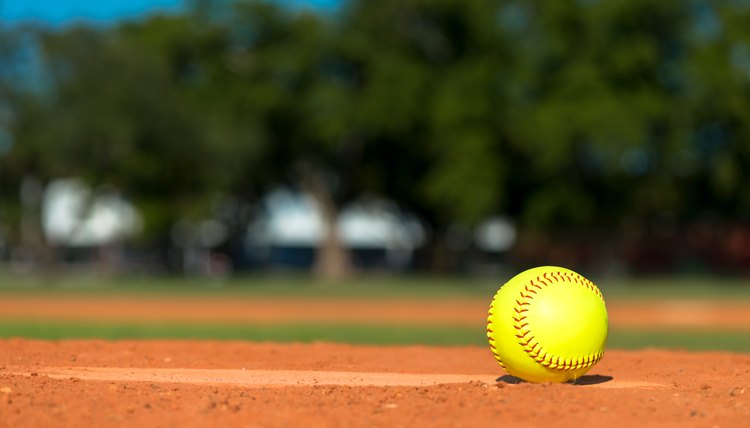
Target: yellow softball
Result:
[[547, 324]]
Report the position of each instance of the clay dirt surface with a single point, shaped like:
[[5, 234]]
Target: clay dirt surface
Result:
[[77, 383], [676, 314]]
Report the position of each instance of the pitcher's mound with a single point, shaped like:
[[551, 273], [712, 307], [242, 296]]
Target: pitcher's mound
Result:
[[184, 383]]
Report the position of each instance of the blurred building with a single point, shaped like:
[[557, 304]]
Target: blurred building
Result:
[[86, 224], [290, 227]]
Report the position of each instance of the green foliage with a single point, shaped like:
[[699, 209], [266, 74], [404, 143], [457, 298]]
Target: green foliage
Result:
[[563, 115]]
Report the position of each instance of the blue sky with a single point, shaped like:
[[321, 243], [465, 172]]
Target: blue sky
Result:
[[58, 12]]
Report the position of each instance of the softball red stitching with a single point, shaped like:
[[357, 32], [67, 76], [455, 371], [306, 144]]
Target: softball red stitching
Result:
[[490, 327], [536, 351]]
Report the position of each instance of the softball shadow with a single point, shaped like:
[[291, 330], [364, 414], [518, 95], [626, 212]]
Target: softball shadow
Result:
[[594, 379], [511, 380]]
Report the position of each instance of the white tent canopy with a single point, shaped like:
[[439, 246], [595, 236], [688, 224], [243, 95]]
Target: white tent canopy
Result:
[[73, 215], [294, 219]]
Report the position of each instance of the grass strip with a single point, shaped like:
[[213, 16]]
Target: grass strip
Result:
[[355, 334], [375, 286], [352, 333]]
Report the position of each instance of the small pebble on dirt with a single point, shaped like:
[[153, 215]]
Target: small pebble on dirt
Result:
[[735, 391], [6, 390]]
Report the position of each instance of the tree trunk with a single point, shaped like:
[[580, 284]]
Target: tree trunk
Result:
[[332, 259]]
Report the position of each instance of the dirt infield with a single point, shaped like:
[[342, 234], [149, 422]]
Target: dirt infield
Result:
[[211, 383], [470, 312], [181, 383]]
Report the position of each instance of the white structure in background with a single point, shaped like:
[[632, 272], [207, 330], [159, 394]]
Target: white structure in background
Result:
[[293, 220], [73, 216], [496, 234]]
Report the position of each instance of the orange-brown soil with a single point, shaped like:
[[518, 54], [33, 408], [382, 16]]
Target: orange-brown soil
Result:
[[187, 383], [656, 314], [206, 383]]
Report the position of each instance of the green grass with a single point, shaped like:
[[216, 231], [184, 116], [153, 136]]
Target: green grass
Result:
[[353, 333], [381, 286], [371, 287]]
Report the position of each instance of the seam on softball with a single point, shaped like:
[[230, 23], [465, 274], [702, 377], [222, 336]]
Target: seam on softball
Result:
[[523, 331], [490, 331]]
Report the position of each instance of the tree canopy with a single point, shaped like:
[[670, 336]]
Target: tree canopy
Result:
[[565, 116]]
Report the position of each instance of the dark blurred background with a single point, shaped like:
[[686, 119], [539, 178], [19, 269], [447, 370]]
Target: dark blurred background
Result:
[[211, 138]]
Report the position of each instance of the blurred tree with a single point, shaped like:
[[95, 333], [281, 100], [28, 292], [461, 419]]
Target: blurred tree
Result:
[[394, 98], [593, 96], [433, 78], [20, 188], [120, 110], [8, 52], [712, 152], [580, 117], [275, 69]]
